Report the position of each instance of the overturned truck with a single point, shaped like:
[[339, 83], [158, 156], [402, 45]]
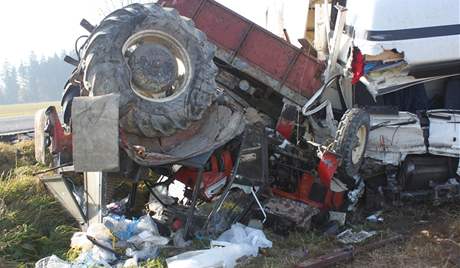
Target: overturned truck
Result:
[[190, 93]]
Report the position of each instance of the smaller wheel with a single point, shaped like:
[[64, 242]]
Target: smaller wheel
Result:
[[350, 142]]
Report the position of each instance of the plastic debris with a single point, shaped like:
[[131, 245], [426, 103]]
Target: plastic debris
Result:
[[80, 241], [240, 234], [350, 237], [138, 238], [179, 240], [237, 242], [132, 262], [375, 218], [102, 255], [99, 232], [118, 207], [121, 227], [148, 250], [52, 262]]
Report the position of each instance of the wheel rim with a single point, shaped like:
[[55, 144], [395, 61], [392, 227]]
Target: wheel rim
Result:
[[358, 150], [160, 66]]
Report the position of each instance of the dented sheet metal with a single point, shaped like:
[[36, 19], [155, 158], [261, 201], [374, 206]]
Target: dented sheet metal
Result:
[[393, 137], [95, 133]]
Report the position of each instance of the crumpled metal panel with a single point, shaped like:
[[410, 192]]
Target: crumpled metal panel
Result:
[[391, 143]]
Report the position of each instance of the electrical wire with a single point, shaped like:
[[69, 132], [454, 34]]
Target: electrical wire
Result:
[[77, 50]]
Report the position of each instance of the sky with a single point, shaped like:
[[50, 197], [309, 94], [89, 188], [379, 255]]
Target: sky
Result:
[[50, 26]]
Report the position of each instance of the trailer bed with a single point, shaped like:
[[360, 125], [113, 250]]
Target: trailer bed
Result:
[[253, 50]]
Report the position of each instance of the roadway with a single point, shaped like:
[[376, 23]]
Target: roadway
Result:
[[16, 124]]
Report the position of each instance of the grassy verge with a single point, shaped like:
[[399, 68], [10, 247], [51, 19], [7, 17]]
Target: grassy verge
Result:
[[25, 109], [32, 223]]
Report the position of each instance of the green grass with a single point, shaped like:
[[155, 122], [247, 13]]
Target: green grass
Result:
[[25, 109], [32, 223]]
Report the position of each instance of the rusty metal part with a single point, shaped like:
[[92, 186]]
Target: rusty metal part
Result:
[[346, 254], [160, 66], [286, 36], [217, 128], [297, 212], [51, 169], [153, 68]]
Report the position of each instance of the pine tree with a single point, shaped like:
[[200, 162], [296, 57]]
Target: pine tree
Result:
[[23, 81], [10, 83]]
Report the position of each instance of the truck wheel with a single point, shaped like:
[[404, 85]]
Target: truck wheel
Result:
[[159, 63], [350, 142]]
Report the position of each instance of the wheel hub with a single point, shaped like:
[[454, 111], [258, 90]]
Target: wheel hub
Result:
[[154, 69], [160, 66]]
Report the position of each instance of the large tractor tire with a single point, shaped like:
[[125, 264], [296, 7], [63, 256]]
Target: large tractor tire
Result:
[[159, 63], [350, 142]]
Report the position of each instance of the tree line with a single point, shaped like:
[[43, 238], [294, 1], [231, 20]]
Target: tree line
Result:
[[35, 80]]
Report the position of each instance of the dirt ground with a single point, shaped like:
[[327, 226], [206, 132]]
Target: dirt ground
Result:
[[431, 239]]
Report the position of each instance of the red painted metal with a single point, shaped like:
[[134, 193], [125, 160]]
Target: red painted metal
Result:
[[285, 128], [357, 66], [327, 167], [326, 170], [220, 168], [264, 51], [287, 121], [268, 52], [305, 75], [60, 141], [302, 192], [221, 26]]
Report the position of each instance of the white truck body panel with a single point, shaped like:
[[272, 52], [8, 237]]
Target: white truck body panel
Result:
[[425, 30], [391, 143]]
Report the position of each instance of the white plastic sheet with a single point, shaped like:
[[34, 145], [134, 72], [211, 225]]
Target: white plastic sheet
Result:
[[237, 242]]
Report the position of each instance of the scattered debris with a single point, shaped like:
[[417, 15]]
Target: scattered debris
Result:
[[346, 254], [237, 242], [350, 237], [375, 218], [101, 243], [298, 213]]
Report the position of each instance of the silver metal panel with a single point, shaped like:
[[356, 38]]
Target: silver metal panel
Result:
[[61, 191], [95, 133], [95, 186]]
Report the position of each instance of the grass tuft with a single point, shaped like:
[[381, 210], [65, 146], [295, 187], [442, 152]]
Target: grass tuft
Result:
[[32, 224]]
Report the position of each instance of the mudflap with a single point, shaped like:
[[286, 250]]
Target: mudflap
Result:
[[95, 133]]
